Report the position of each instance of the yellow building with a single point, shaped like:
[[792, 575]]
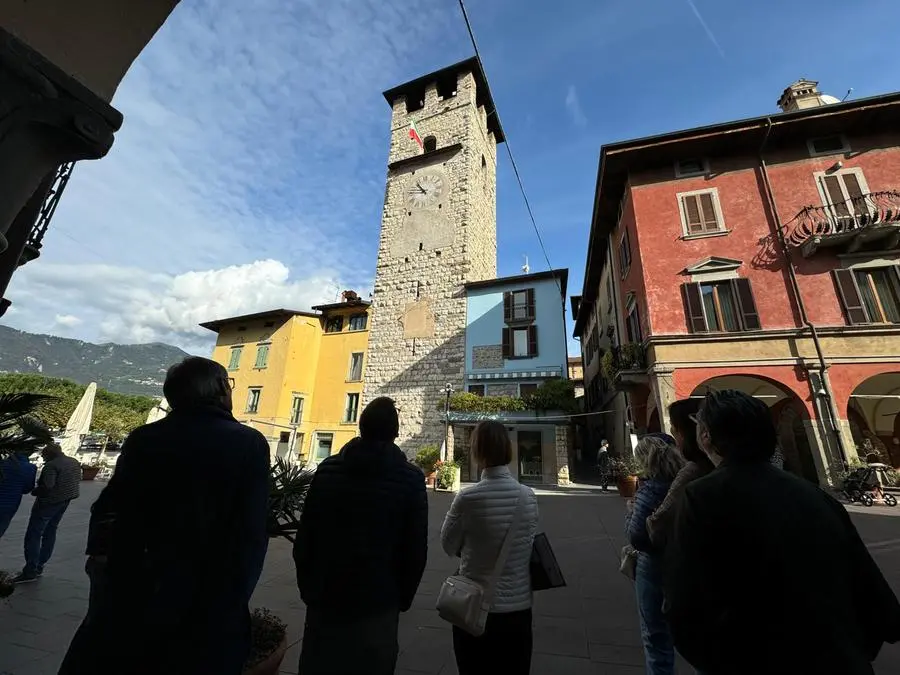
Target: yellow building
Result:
[[298, 375]]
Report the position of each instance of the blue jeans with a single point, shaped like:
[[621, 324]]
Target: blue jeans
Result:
[[659, 651], [40, 537]]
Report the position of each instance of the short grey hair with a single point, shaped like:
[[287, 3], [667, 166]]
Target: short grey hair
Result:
[[660, 459]]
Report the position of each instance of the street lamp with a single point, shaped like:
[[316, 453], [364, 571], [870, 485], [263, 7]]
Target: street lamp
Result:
[[448, 389]]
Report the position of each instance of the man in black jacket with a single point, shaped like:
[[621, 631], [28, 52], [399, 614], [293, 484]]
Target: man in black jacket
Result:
[[765, 572], [177, 540], [360, 550]]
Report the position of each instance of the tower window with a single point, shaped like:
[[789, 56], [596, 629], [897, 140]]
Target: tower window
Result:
[[420, 245], [415, 101], [429, 143]]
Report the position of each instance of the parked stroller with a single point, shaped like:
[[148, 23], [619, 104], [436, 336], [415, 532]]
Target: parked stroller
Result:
[[865, 485]]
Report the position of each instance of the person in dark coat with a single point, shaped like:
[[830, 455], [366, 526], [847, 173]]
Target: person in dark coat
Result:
[[17, 477], [177, 539], [765, 572], [360, 550]]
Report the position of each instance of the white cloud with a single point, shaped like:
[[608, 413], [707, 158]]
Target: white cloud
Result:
[[67, 320], [130, 306], [254, 130], [573, 105]]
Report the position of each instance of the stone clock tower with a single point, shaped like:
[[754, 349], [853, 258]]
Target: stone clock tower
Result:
[[438, 232]]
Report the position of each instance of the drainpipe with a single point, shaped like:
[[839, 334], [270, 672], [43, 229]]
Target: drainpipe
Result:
[[795, 288]]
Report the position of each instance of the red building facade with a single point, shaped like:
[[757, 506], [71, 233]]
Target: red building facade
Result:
[[761, 255]]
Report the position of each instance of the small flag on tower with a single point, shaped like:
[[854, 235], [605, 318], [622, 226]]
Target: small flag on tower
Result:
[[414, 134]]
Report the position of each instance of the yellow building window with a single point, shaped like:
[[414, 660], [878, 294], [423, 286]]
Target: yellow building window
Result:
[[356, 366], [262, 356], [297, 410], [358, 321], [351, 408], [253, 395], [235, 361]]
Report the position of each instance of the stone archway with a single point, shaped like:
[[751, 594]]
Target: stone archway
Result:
[[873, 414], [789, 415]]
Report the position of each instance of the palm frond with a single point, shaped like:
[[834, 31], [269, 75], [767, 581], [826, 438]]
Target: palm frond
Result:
[[289, 485], [21, 431]]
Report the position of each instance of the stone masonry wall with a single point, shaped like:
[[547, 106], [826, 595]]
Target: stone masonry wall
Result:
[[414, 370], [503, 389], [562, 455]]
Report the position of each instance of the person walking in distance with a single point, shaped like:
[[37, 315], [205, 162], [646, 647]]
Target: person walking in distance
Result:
[[58, 485], [474, 530], [17, 476], [661, 462], [751, 545], [174, 559], [361, 550], [603, 464]]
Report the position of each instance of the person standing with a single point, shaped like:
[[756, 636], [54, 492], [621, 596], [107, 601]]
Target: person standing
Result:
[[697, 465], [17, 476], [361, 550], [57, 486], [182, 528], [603, 464], [661, 462], [474, 530], [752, 545]]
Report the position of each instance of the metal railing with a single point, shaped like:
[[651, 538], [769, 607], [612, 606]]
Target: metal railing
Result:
[[874, 208]]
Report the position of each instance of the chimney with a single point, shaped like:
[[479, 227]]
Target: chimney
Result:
[[802, 94], [349, 296]]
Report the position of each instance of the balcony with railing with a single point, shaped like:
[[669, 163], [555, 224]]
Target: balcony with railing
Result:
[[870, 220], [625, 366]]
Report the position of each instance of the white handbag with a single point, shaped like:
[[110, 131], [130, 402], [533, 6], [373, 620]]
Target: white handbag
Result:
[[465, 603]]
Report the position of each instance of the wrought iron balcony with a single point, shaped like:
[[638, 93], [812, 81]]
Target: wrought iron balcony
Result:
[[625, 366], [35, 238], [849, 225]]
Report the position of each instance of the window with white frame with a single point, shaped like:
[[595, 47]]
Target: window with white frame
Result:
[[633, 320], [845, 194], [701, 213], [322, 447]]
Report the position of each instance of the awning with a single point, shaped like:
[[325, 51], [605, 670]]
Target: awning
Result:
[[516, 375]]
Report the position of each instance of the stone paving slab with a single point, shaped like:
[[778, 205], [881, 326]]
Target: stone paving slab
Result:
[[588, 628]]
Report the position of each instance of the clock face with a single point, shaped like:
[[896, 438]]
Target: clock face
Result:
[[425, 190]]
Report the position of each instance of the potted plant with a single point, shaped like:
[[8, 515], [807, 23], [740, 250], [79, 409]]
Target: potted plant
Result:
[[447, 477], [427, 459], [89, 470], [625, 471], [268, 643]]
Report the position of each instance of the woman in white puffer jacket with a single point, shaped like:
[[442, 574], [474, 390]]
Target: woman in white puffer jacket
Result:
[[474, 530]]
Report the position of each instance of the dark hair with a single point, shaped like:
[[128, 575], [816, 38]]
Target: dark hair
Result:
[[379, 420], [196, 381], [740, 427], [491, 445], [680, 418]]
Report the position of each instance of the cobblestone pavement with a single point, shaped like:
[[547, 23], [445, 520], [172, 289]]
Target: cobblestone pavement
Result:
[[588, 628]]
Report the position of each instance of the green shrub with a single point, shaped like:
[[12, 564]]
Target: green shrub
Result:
[[623, 466], [446, 475], [427, 458], [554, 394]]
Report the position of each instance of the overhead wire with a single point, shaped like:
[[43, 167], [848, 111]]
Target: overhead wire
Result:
[[512, 159]]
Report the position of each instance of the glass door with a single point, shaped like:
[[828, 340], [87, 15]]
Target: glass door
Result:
[[530, 455]]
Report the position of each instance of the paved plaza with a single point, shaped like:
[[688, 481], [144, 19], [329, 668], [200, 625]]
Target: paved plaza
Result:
[[589, 628]]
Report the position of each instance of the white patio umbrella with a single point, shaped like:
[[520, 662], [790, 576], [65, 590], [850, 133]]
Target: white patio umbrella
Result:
[[80, 422], [157, 412]]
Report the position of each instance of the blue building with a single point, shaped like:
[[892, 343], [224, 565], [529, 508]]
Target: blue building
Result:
[[516, 341]]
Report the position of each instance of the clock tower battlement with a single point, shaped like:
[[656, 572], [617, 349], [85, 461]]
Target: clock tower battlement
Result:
[[438, 232]]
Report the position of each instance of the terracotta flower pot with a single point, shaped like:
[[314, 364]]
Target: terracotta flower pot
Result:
[[627, 486], [429, 479], [89, 472], [272, 663]]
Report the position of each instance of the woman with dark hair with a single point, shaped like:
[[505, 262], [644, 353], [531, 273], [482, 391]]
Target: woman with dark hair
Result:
[[661, 462], [684, 429], [474, 530]]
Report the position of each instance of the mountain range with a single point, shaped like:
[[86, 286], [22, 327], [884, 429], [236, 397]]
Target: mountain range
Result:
[[127, 369]]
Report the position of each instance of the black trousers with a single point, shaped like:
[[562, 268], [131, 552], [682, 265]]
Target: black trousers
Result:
[[334, 645], [505, 646]]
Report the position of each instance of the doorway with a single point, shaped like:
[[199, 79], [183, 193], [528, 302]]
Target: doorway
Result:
[[529, 452]]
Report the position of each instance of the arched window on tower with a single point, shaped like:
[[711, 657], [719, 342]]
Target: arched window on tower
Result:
[[429, 143]]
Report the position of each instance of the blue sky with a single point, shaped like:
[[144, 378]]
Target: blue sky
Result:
[[249, 172]]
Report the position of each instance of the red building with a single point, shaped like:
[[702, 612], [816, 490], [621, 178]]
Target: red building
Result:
[[760, 255]]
